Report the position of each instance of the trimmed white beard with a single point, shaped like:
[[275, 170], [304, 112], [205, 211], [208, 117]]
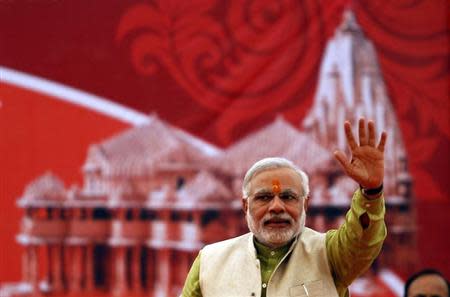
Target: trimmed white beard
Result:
[[276, 238]]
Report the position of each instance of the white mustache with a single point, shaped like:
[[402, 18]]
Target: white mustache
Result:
[[282, 216]]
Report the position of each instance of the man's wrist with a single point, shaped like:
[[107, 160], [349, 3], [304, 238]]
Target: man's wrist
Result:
[[372, 193]]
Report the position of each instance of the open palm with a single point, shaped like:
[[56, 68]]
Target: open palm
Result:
[[366, 166]]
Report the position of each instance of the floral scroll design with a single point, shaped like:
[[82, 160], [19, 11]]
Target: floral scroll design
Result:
[[411, 37], [252, 59]]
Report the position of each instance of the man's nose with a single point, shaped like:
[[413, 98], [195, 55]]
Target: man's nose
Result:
[[276, 205]]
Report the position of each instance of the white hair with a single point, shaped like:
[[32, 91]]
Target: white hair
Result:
[[273, 163]]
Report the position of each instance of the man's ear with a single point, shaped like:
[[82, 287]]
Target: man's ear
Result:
[[306, 203], [244, 204]]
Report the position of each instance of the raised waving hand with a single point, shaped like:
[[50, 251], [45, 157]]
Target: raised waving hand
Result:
[[366, 165]]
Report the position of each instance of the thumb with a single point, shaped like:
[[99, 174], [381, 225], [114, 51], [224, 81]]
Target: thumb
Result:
[[342, 159]]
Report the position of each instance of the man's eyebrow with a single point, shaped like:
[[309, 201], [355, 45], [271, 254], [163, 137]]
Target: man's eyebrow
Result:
[[263, 191], [290, 191], [269, 191]]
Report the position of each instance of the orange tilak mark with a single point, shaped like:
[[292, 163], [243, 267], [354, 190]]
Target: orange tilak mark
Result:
[[276, 186]]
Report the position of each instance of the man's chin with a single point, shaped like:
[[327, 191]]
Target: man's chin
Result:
[[276, 237], [278, 230]]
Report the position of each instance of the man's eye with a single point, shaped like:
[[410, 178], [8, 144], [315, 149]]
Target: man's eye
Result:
[[288, 197], [264, 197]]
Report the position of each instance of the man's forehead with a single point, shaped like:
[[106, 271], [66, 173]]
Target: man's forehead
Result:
[[429, 284], [278, 179], [275, 187]]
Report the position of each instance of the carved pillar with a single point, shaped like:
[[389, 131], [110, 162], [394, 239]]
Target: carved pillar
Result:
[[150, 269], [120, 258], [75, 256], [55, 268], [48, 265], [89, 268], [76, 259], [163, 271], [65, 273], [89, 255], [30, 264], [27, 252], [57, 253], [120, 269], [67, 266], [136, 269], [25, 264], [182, 268]]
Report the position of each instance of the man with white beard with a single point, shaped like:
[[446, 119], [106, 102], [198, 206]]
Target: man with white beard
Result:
[[280, 256]]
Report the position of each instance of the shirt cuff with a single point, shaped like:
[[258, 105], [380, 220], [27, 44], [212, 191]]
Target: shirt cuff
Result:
[[373, 207]]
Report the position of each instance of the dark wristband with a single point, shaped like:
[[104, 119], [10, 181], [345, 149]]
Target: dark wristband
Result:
[[372, 192]]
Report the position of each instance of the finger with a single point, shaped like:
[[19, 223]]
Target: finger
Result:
[[382, 142], [342, 159], [362, 132], [349, 134], [371, 133]]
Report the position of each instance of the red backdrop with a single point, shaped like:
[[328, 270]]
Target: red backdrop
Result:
[[218, 69]]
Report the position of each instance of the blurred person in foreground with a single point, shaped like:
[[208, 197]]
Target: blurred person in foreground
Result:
[[427, 283], [282, 257]]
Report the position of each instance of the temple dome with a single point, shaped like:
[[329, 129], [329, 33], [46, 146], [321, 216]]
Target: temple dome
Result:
[[46, 189]]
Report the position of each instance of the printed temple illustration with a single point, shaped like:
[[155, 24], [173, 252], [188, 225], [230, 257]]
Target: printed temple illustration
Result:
[[153, 195]]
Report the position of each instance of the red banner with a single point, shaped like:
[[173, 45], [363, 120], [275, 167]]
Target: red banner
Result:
[[76, 74]]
